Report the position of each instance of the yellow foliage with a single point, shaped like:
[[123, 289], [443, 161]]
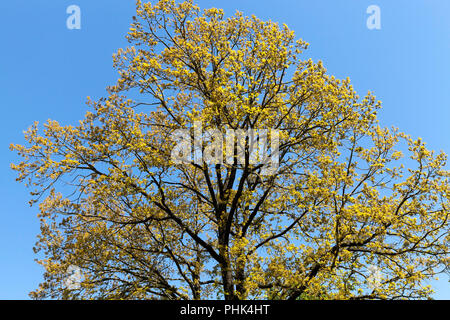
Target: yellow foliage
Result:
[[139, 226]]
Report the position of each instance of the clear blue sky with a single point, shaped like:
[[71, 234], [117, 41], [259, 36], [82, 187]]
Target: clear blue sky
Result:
[[47, 71]]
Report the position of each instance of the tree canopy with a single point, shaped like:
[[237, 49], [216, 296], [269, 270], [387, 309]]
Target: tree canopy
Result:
[[343, 199]]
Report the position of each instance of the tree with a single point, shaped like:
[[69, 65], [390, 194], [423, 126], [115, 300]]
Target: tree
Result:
[[139, 223]]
